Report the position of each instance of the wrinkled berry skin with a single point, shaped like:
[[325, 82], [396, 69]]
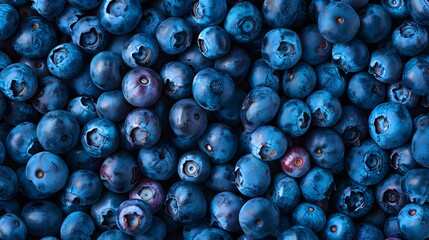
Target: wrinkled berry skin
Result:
[[245, 171], [281, 48], [142, 87], [415, 185], [58, 131], [107, 70], [243, 22], [177, 78], [419, 11], [259, 107], [325, 108], [338, 226], [52, 95], [142, 128], [83, 109], [402, 160], [412, 221], [385, 65], [281, 183], [140, 50], [83, 188], [338, 22], [298, 232], [326, 149], [149, 191], [194, 166], [317, 184], [295, 162], [278, 13], [120, 17], [415, 75], [12, 227], [390, 125], [212, 89], [34, 38], [68, 18], [185, 203], [365, 91], [315, 49], [389, 194], [224, 209], [331, 78], [294, 118], [77, 225], [48, 172], [104, 211], [409, 38], [90, 35], [213, 42], [119, 172], [174, 35], [398, 92], [9, 21], [42, 218], [420, 146], [352, 56], [158, 162], [259, 217], [134, 217], [367, 164], [99, 137], [219, 142], [9, 185], [268, 143], [353, 199], [19, 82]]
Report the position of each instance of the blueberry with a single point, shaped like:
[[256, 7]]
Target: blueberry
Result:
[[120, 17], [34, 38], [391, 228], [22, 143], [411, 221], [113, 106], [42, 218], [149, 191], [158, 162], [259, 217], [177, 78], [221, 178], [353, 199], [338, 226], [68, 18], [83, 109], [12, 227], [52, 95], [104, 211], [77, 225], [262, 75], [298, 232], [414, 185], [99, 137], [219, 142], [119, 172], [225, 208], [107, 70], [398, 92], [174, 35], [331, 78], [317, 184], [299, 81], [267, 143], [280, 184], [134, 217], [243, 22], [324, 107], [259, 107], [9, 206], [409, 38], [365, 92], [89, 34], [281, 48], [195, 59], [396, 8], [19, 82], [352, 56], [230, 114], [9, 21], [140, 50], [194, 166], [309, 215], [352, 126], [27, 188], [295, 162], [142, 128], [82, 85], [419, 10], [236, 62], [83, 188], [213, 42], [4, 60], [142, 87], [206, 13], [315, 48], [185, 203], [419, 147], [246, 168], [279, 13], [114, 234], [366, 230], [151, 18], [375, 23], [212, 88], [9, 185], [385, 65], [389, 194], [18, 112], [415, 75], [390, 125], [47, 172], [156, 231], [176, 8], [212, 233]]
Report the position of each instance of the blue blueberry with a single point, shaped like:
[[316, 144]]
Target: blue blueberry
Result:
[[326, 148], [142, 128], [82, 85], [297, 232], [411, 221], [19, 82], [9, 185], [114, 234], [174, 35], [83, 188], [352, 126], [315, 48], [414, 184], [99, 137], [142, 87], [107, 70], [212, 233], [418, 11], [331, 78], [78, 158], [262, 75], [259, 217], [119, 172], [294, 118], [151, 18], [213, 42], [352, 56], [140, 50], [9, 21], [225, 208], [236, 63], [83, 109], [42, 218], [267, 143], [252, 176], [4, 60], [230, 114], [68, 18], [309, 215], [134, 217], [221, 178], [12, 227], [385, 65], [278, 13], [22, 143], [18, 112], [27, 188], [243, 22], [104, 211], [325, 108], [156, 231], [317, 184], [194, 166], [409, 38], [52, 95], [353, 199], [58, 131], [120, 17], [280, 184], [113, 106], [398, 92], [89, 34], [375, 23], [176, 8], [206, 13], [338, 226], [368, 231], [77, 225], [177, 78], [195, 59], [219, 142], [389, 194], [415, 75], [151, 192], [396, 8], [365, 91], [158, 162]]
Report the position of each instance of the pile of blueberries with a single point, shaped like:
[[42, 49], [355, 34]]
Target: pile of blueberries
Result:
[[214, 119]]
